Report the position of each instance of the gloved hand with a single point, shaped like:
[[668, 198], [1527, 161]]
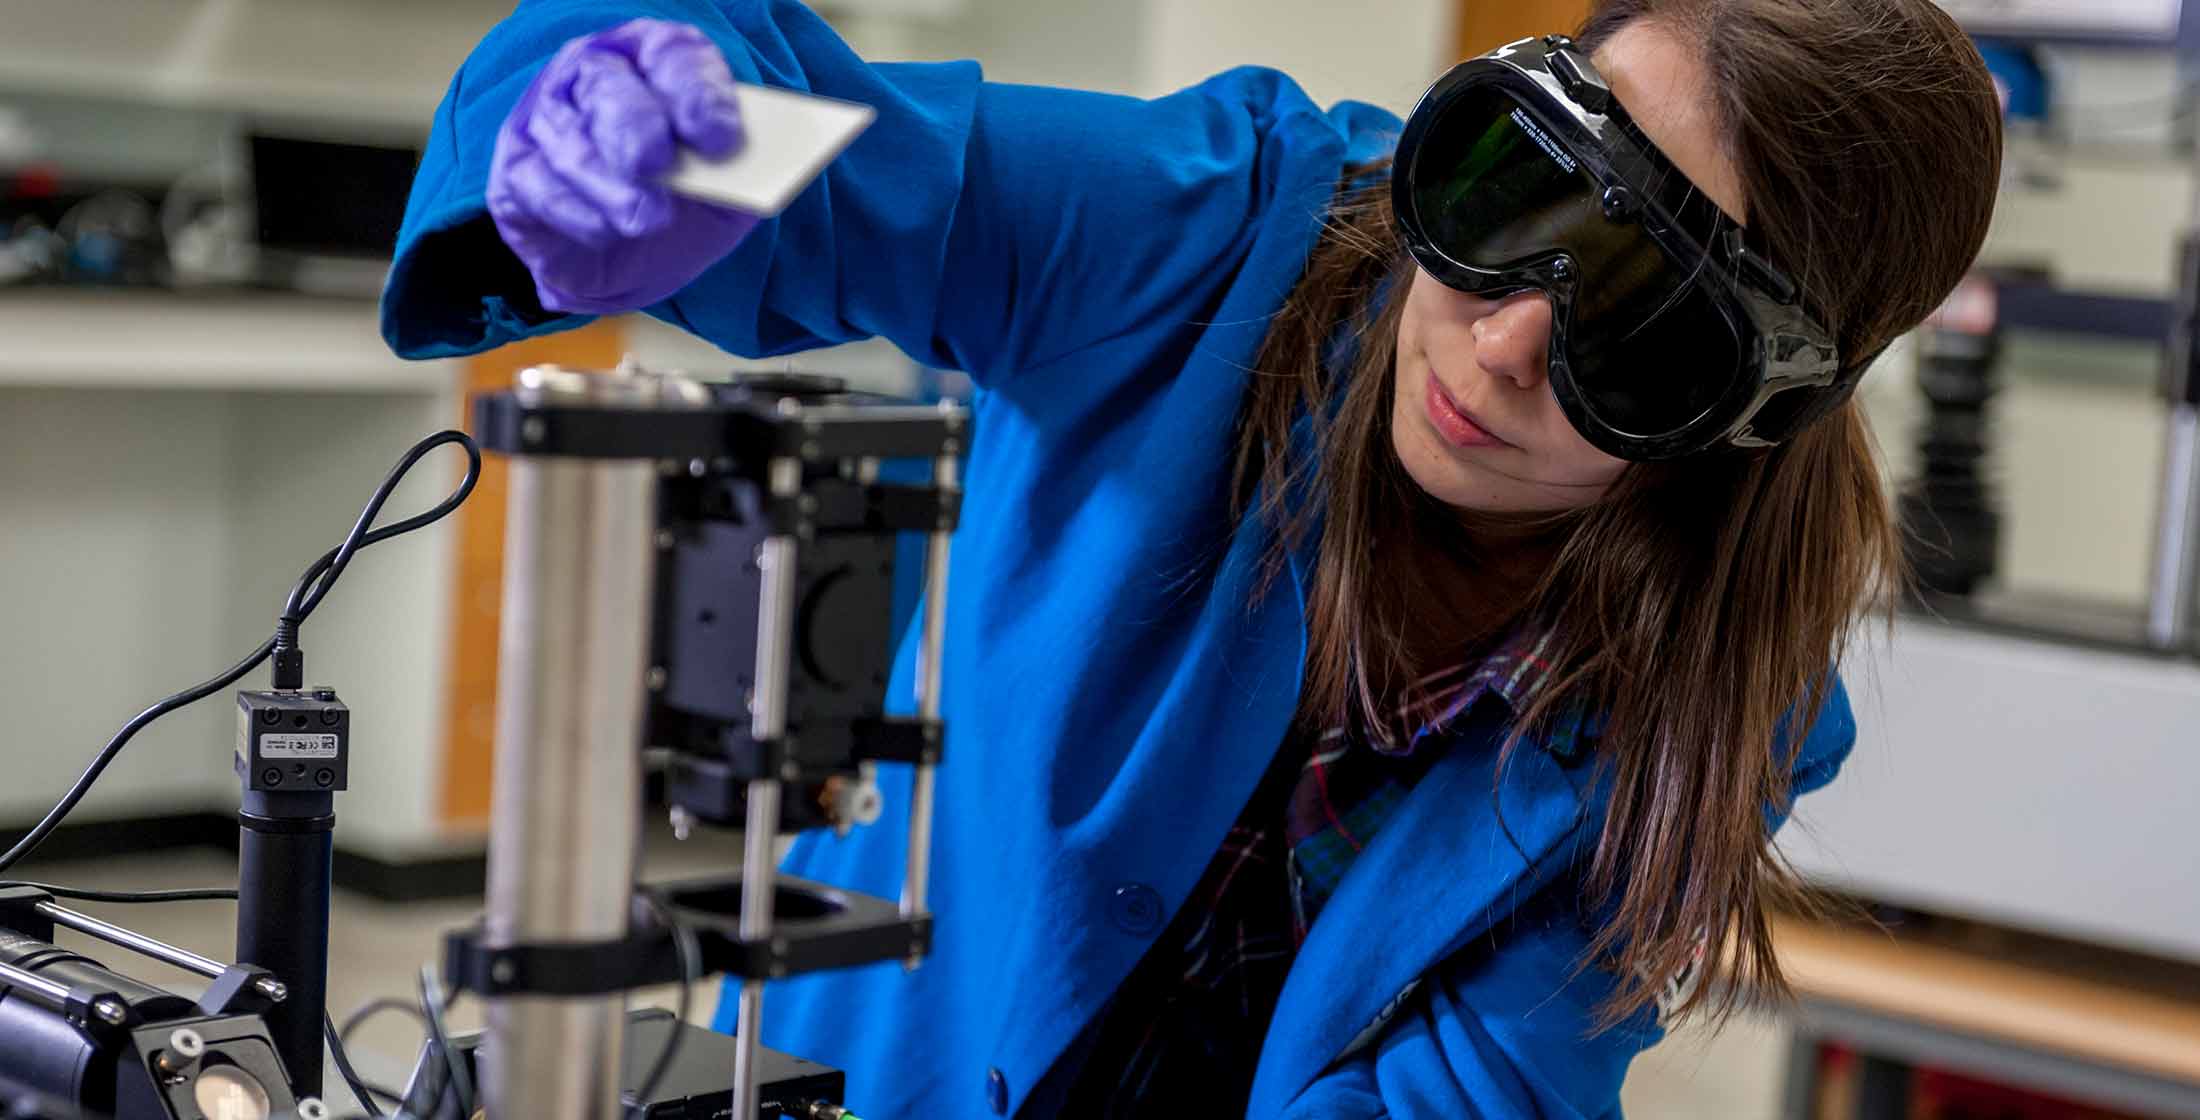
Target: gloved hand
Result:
[[573, 186]]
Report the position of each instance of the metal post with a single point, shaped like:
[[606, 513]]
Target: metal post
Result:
[[56, 996], [136, 942], [916, 883], [566, 806], [286, 859], [2175, 586], [775, 622]]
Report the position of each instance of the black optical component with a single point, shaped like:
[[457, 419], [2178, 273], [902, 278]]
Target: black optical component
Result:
[[1672, 331]]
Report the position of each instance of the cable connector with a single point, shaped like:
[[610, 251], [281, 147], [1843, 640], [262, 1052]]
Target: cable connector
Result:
[[289, 674]]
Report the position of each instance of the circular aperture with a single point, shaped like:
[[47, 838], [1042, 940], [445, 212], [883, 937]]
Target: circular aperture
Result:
[[229, 1093]]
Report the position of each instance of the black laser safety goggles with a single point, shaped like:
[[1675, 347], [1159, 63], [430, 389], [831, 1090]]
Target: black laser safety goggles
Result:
[[1672, 333]]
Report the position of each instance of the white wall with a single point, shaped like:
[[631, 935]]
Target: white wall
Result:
[[151, 538], [381, 60], [113, 552], [298, 468], [1384, 51]]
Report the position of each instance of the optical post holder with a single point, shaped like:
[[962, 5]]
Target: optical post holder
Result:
[[84, 1041], [724, 553]]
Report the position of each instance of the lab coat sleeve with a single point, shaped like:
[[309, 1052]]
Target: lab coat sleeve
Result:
[[1499, 1030], [979, 226]]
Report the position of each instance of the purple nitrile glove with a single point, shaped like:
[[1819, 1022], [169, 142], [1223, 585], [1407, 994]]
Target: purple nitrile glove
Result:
[[573, 186]]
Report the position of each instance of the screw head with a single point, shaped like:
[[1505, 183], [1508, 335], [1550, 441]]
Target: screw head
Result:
[[330, 716], [324, 777], [110, 1012], [270, 716], [532, 430], [187, 1042], [1619, 202], [272, 988], [1562, 269], [657, 678], [503, 972], [311, 1108], [271, 777]]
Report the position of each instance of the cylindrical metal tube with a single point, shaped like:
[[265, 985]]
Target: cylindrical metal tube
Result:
[[759, 889], [566, 803], [2173, 600], [775, 624], [931, 674], [286, 853], [56, 995], [136, 942]]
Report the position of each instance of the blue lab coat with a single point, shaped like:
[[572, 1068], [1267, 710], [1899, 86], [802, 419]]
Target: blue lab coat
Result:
[[1104, 268]]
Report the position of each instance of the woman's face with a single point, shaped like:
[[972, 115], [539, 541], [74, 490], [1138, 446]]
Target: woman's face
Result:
[[1472, 414]]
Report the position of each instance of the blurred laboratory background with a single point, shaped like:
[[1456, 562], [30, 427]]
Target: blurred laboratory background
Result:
[[197, 201]]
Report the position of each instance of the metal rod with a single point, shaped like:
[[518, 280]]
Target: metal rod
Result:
[[137, 943], [2175, 582], [931, 675], [775, 622], [566, 803], [57, 995], [759, 887]]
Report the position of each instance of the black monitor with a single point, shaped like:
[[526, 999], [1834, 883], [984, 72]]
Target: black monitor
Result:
[[327, 198]]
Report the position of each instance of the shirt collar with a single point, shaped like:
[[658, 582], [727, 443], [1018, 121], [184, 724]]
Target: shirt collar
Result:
[[1513, 673]]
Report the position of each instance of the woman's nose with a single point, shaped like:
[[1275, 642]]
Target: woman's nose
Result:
[[1513, 341]]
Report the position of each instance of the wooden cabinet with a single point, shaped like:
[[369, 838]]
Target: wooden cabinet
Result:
[[1484, 25]]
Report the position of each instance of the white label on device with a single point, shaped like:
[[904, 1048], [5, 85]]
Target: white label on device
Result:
[[299, 746], [788, 138]]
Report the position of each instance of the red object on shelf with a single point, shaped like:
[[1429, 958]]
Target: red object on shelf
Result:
[[38, 180], [1942, 1095]]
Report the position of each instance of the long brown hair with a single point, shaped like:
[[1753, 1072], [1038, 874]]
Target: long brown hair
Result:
[[1699, 605]]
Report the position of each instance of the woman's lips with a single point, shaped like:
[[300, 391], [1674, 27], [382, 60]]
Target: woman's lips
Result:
[[1453, 423]]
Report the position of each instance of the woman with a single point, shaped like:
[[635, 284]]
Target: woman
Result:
[[1393, 609]]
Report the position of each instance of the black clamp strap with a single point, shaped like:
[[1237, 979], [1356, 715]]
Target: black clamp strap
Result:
[[841, 507], [895, 739], [589, 968], [503, 424], [818, 928]]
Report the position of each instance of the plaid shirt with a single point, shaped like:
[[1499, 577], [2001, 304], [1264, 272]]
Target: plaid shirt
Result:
[[1188, 1024]]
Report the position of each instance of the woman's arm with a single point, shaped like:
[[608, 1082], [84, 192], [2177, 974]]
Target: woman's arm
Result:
[[976, 225]]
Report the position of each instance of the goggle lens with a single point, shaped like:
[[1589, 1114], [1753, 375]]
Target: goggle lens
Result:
[[1649, 348]]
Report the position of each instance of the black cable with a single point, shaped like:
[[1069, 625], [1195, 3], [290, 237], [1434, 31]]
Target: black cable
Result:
[[691, 969], [38, 834], [319, 578], [78, 894], [360, 1090], [462, 1083], [373, 1008]]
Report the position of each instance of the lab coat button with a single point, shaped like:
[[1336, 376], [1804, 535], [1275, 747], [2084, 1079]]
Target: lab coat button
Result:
[[1136, 909], [996, 1092]]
